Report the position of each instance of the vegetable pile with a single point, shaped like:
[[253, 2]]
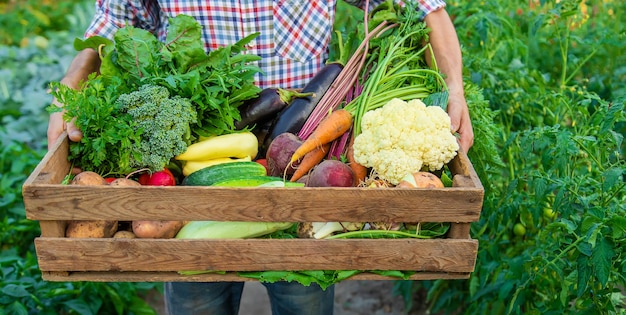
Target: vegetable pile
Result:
[[169, 114]]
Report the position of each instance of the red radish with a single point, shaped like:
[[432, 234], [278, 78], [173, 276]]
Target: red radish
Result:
[[331, 173], [110, 179], [160, 178]]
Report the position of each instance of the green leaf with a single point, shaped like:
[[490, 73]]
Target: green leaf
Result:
[[584, 273], [94, 43], [240, 45], [139, 306], [115, 299], [601, 258], [80, 306], [15, 308], [138, 51], [540, 186], [612, 177], [585, 248], [183, 43], [618, 227], [15, 290]]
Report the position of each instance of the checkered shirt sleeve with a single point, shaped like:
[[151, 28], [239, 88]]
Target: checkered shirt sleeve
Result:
[[110, 15]]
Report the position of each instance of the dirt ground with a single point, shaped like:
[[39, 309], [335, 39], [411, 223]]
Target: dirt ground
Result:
[[352, 297]]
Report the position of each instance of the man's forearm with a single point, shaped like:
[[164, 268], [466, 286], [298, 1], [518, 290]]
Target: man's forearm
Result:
[[86, 62], [447, 50]]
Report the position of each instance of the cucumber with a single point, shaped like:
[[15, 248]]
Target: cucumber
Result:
[[211, 175], [248, 181], [257, 181]]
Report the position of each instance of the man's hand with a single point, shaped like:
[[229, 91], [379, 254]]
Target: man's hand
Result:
[[86, 61], [460, 121], [57, 125]]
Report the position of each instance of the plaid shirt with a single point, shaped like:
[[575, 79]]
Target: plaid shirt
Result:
[[294, 35]]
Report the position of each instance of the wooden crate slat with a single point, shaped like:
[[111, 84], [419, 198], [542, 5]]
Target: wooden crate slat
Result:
[[253, 204], [164, 276], [53, 167], [434, 255]]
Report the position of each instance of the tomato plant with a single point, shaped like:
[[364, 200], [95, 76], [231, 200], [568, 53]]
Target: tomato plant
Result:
[[554, 74]]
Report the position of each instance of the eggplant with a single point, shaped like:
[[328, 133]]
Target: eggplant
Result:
[[292, 118], [266, 106]]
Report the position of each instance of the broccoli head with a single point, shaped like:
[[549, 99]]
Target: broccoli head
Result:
[[165, 123]]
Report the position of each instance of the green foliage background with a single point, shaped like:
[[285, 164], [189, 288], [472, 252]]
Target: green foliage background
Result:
[[549, 150], [36, 51], [553, 74]]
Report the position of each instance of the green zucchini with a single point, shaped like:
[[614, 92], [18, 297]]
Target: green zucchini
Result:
[[211, 175]]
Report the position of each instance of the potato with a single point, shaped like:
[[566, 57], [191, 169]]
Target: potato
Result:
[[91, 229], [124, 182], [88, 178], [124, 234], [156, 229], [421, 180]]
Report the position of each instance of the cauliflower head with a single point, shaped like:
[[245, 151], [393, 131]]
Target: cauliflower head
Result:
[[401, 137]]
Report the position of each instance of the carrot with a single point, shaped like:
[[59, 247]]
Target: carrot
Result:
[[360, 171], [309, 161], [329, 129]]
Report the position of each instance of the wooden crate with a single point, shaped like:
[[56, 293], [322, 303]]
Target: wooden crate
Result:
[[108, 259]]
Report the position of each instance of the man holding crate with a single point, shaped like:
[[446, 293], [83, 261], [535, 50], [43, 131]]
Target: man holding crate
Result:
[[293, 47]]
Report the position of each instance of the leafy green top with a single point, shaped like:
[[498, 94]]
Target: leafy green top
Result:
[[216, 84]]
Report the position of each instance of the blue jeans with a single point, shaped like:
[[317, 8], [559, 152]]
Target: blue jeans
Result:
[[222, 298]]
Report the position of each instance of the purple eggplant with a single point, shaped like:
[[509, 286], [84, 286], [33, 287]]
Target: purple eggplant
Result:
[[292, 118], [266, 106]]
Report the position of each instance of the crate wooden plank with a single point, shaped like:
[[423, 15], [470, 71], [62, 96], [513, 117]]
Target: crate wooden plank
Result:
[[164, 276], [433, 255], [54, 166], [252, 204]]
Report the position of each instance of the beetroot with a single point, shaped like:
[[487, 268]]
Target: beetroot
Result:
[[331, 173], [279, 154]]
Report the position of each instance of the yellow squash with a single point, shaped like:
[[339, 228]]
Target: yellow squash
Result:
[[233, 145]]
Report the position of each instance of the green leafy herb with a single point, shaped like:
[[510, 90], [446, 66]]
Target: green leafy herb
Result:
[[215, 85]]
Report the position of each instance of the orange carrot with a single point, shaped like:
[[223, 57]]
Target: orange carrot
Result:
[[360, 171], [329, 129], [309, 161]]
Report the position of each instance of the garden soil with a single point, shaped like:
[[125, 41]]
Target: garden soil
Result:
[[352, 297]]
